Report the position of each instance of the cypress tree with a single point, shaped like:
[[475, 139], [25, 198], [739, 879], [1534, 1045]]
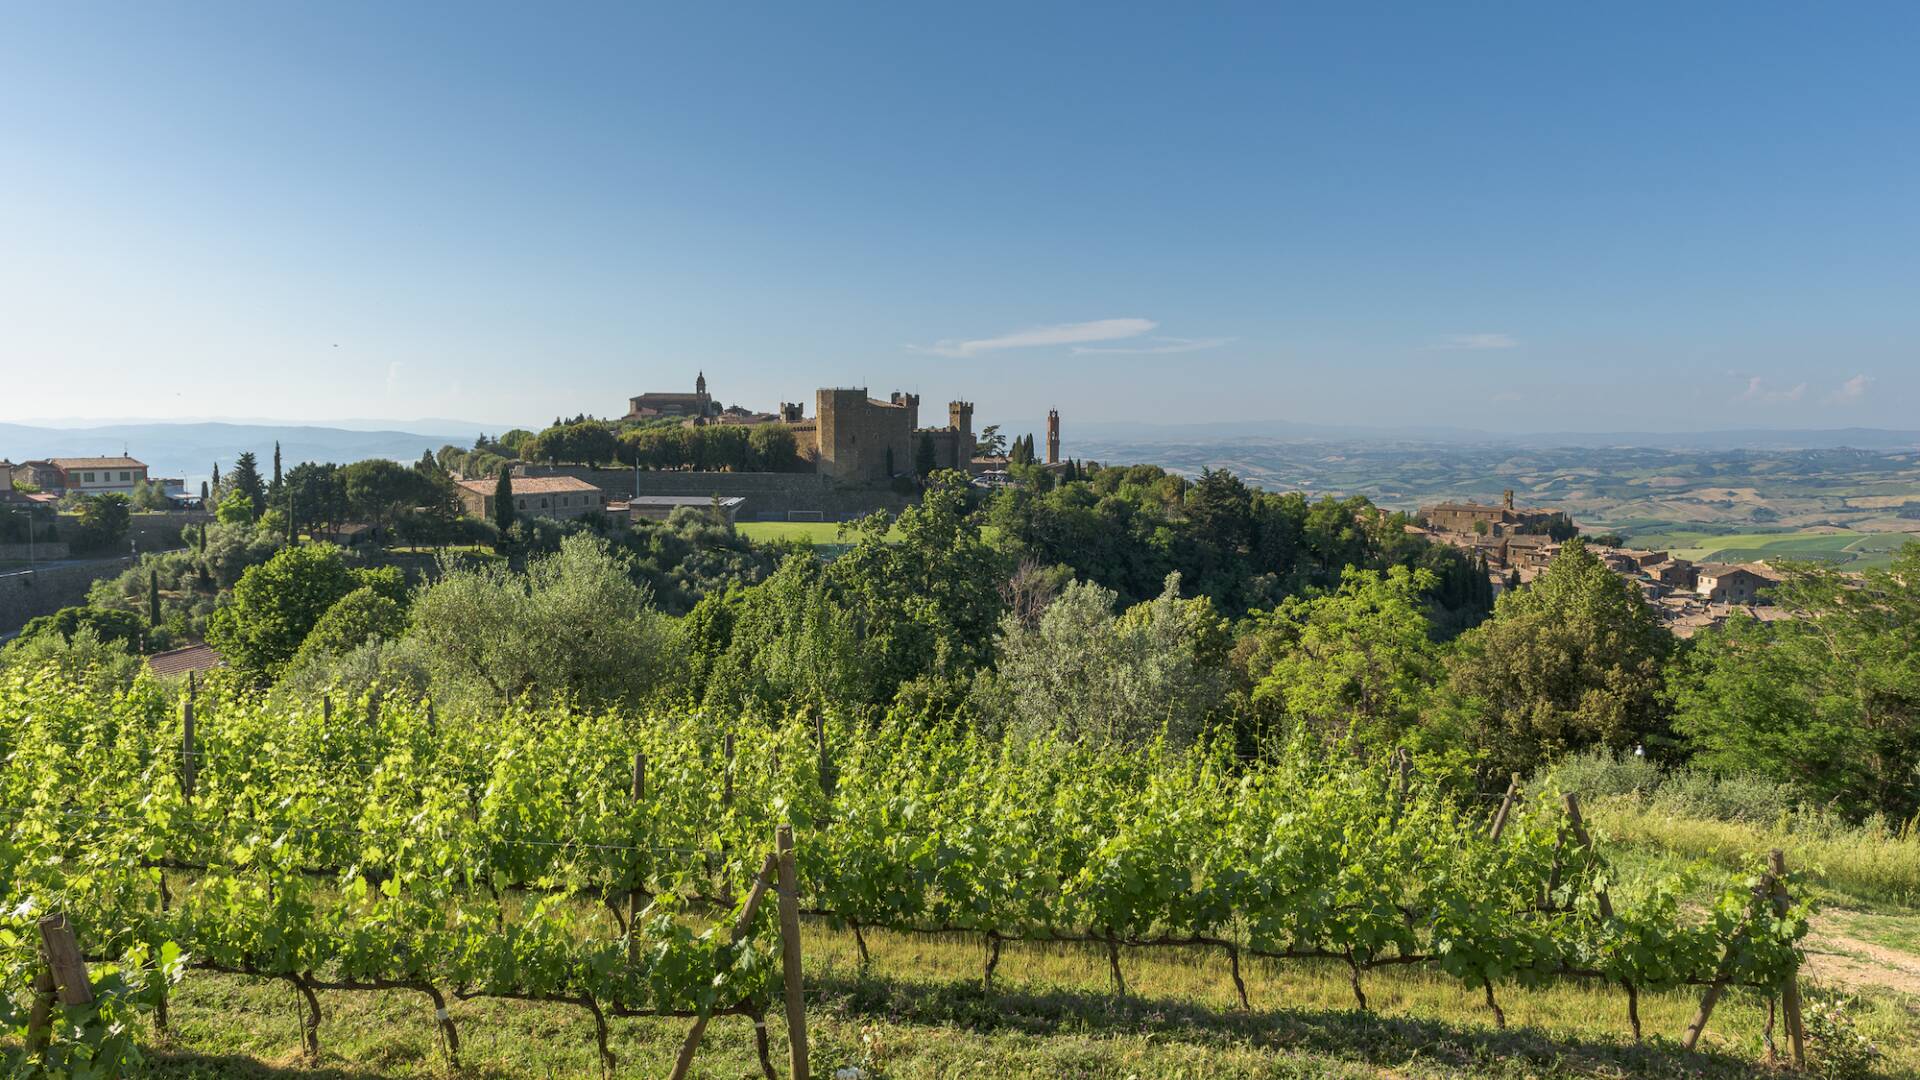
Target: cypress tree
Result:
[[925, 456], [276, 466], [503, 499], [153, 598]]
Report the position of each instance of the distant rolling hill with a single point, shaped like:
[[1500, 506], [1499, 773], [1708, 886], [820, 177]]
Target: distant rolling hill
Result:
[[189, 451]]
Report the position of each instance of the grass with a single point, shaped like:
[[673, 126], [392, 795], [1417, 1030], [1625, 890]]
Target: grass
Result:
[[919, 1011], [813, 532], [1874, 864]]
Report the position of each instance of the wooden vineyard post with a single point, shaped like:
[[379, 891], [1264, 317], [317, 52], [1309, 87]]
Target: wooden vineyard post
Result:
[[741, 925], [40, 1020], [187, 769], [638, 791], [820, 742], [1578, 827], [1506, 808], [326, 708], [64, 979], [1402, 780], [790, 952], [1790, 986]]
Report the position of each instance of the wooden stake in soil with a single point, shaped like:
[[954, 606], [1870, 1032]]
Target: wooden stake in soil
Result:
[[1506, 808], [1790, 986], [63, 959], [639, 791], [684, 1062], [187, 769], [790, 952], [1578, 827]]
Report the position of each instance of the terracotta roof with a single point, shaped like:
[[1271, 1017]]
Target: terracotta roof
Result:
[[532, 485], [121, 462], [180, 661], [1757, 569]]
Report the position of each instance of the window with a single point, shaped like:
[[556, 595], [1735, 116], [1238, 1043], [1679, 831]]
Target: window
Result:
[[543, 504], [523, 504], [124, 477], [86, 478]]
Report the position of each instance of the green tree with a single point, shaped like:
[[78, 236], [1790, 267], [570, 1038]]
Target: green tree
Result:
[[1355, 664], [1086, 674], [316, 496], [378, 491], [574, 626], [108, 626], [360, 616], [273, 489], [991, 442], [101, 523], [503, 512], [153, 599], [245, 479], [923, 587], [1827, 701], [234, 509], [1572, 661], [925, 457], [275, 604]]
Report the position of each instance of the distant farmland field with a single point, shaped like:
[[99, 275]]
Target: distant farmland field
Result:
[[1842, 547]]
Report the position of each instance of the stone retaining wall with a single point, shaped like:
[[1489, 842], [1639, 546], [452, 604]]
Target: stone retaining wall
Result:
[[25, 594], [769, 496]]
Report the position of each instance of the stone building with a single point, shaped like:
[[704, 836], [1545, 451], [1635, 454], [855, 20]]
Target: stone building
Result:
[[1466, 517], [698, 404], [859, 439], [535, 496], [99, 475], [1734, 583]]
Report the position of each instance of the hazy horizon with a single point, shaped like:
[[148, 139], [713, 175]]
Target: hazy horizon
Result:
[[1507, 218]]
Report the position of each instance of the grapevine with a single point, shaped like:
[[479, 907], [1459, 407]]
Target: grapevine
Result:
[[388, 849]]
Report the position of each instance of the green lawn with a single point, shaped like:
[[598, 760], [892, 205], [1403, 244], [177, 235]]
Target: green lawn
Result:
[[813, 532], [918, 1010]]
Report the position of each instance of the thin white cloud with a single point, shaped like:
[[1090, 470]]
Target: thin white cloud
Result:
[[1478, 341], [1032, 337], [1758, 390], [1852, 390], [1155, 346]]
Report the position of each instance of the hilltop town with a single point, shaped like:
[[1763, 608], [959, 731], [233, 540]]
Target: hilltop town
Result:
[[1518, 544]]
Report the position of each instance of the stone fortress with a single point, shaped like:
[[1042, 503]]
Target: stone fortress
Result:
[[852, 437]]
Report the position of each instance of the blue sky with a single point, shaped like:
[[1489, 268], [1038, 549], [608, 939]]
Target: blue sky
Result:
[[1540, 217]]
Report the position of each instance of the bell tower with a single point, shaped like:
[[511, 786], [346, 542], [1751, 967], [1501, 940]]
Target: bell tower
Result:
[[700, 383], [1053, 436]]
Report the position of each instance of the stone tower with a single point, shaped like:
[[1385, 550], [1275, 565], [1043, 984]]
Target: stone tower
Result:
[[700, 383], [911, 403], [791, 412], [1507, 499], [960, 416], [1053, 436]]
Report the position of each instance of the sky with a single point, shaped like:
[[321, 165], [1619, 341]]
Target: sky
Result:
[[1522, 216]]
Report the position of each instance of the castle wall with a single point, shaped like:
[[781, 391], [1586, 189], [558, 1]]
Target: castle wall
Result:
[[856, 434], [769, 496]]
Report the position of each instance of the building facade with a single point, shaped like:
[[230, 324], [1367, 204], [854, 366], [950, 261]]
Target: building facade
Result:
[[1734, 583], [99, 476], [535, 496], [697, 405]]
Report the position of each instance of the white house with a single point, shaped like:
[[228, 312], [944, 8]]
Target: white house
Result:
[[99, 475]]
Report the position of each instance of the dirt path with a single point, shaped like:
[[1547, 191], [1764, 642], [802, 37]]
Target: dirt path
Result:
[[1838, 957]]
